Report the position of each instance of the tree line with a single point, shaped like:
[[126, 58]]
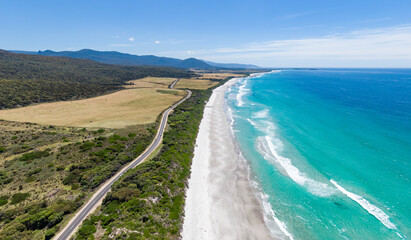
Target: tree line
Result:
[[26, 79]]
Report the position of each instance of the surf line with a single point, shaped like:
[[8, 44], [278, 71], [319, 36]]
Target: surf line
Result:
[[370, 208]]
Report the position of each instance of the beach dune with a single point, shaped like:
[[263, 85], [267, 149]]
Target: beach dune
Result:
[[221, 202]]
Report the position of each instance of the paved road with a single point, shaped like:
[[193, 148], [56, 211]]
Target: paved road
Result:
[[174, 83], [97, 198]]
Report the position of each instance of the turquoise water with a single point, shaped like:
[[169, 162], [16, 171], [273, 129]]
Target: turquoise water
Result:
[[330, 150]]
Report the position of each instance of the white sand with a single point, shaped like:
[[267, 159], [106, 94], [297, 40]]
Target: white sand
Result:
[[220, 203]]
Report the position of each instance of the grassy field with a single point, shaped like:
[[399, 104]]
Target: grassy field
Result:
[[150, 82], [141, 103], [220, 75], [195, 83], [116, 110]]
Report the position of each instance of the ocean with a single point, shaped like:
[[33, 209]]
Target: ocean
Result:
[[329, 150]]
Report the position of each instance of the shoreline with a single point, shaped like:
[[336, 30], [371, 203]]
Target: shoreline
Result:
[[221, 202]]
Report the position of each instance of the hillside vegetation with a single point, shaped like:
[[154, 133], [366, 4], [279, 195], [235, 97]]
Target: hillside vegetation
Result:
[[26, 79], [48, 172], [131, 60], [148, 201]]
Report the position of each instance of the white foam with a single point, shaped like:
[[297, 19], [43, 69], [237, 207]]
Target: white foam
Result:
[[251, 122], [269, 146], [261, 123], [370, 208], [269, 212], [242, 90], [261, 114], [269, 150], [273, 223], [257, 75], [276, 227], [230, 117]]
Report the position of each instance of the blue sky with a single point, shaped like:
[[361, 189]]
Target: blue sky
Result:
[[271, 33]]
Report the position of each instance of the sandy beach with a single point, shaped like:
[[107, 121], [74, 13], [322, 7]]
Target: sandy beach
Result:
[[221, 203]]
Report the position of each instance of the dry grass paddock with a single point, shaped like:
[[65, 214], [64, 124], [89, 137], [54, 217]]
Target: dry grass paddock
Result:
[[220, 76], [140, 103], [195, 83], [150, 82], [116, 110]]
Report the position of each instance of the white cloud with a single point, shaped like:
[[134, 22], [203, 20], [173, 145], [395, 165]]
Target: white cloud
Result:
[[117, 37], [366, 48], [157, 42], [131, 39]]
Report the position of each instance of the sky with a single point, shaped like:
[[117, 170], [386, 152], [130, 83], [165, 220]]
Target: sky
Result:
[[268, 33]]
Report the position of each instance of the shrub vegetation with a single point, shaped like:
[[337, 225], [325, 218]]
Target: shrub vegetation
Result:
[[45, 179], [147, 202]]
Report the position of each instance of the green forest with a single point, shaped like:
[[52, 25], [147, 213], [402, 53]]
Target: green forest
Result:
[[27, 79]]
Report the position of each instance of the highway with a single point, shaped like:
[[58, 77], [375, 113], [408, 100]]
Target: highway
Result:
[[98, 196]]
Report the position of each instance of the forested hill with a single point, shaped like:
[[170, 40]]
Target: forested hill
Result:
[[26, 79], [112, 57]]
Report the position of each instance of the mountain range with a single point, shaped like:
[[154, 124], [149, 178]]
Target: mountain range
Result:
[[113, 57]]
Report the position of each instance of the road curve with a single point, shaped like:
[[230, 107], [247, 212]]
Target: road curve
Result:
[[173, 84], [98, 196]]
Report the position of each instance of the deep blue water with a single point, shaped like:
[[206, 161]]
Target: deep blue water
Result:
[[330, 149]]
